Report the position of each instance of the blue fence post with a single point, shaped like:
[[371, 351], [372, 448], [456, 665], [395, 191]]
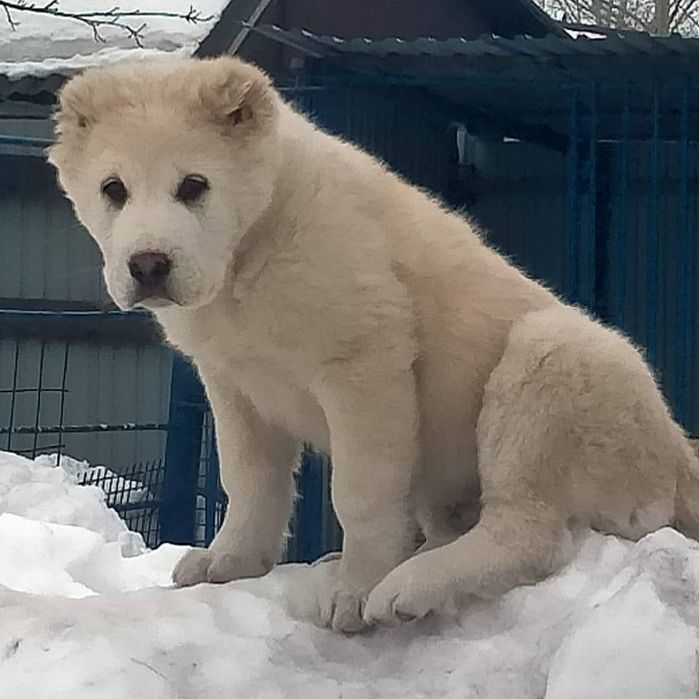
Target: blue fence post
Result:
[[621, 263], [182, 454], [590, 242], [572, 289], [308, 525], [212, 488], [653, 239], [685, 272]]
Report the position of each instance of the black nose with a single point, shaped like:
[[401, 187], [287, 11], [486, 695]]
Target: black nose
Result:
[[150, 269]]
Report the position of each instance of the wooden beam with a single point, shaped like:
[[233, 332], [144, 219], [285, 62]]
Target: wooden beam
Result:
[[73, 322], [232, 22], [10, 109]]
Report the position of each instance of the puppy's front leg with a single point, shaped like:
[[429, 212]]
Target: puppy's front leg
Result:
[[371, 410], [257, 462]]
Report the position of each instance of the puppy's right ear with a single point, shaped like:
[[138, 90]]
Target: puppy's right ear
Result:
[[75, 111], [74, 115]]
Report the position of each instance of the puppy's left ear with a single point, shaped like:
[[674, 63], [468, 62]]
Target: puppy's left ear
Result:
[[238, 96]]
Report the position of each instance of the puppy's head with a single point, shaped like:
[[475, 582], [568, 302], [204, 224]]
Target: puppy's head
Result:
[[168, 164]]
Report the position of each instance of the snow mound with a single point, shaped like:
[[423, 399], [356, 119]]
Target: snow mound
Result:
[[621, 620], [39, 491]]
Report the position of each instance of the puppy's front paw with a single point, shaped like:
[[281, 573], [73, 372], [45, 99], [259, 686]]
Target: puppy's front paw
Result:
[[208, 565], [341, 606], [411, 591]]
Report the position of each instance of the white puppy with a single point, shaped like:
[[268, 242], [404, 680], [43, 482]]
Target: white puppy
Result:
[[322, 298]]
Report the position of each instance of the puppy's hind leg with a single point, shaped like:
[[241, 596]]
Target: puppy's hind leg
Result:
[[525, 445], [521, 537], [510, 546]]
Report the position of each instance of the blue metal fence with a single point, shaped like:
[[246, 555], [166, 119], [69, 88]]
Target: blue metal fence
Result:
[[133, 490], [633, 200], [184, 443], [610, 221]]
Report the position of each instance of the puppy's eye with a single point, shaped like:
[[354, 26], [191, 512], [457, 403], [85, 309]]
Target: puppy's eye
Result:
[[192, 188], [115, 190]]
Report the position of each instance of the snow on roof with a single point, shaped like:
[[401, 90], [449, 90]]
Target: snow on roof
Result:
[[41, 44], [586, 34], [66, 66]]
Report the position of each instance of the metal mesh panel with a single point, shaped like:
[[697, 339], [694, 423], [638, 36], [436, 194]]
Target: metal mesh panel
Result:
[[35, 385]]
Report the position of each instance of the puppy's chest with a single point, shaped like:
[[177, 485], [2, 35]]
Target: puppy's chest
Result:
[[244, 330], [280, 395], [282, 401], [274, 376]]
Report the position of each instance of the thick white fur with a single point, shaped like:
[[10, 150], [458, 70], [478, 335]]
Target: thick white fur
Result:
[[322, 298]]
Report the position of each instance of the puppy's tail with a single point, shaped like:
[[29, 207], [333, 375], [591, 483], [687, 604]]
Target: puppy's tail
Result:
[[687, 495]]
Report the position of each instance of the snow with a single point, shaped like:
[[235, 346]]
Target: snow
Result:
[[42, 68], [41, 44], [90, 621], [585, 34], [39, 492]]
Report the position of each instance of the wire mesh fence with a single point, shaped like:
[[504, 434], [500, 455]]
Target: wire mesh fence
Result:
[[38, 378], [174, 496], [135, 495], [211, 501], [27, 439]]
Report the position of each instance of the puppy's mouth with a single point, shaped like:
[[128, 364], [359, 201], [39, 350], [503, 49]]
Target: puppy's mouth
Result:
[[152, 298]]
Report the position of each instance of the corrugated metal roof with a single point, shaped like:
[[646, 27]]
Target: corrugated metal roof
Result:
[[620, 44], [503, 17], [623, 44], [523, 87]]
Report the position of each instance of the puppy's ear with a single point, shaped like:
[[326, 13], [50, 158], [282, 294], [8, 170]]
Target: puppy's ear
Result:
[[75, 114], [75, 110], [238, 96]]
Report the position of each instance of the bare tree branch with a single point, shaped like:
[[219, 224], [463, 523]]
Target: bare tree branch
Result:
[[122, 20], [693, 21], [680, 13], [659, 16], [11, 22]]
